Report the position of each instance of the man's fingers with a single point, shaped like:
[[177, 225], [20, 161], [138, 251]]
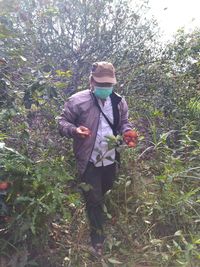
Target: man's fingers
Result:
[[83, 128], [83, 131]]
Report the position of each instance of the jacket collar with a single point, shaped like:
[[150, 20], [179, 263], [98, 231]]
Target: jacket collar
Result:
[[115, 98]]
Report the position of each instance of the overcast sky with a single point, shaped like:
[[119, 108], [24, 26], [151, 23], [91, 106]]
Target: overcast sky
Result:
[[173, 14]]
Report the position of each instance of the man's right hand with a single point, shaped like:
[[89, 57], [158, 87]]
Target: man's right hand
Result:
[[83, 131]]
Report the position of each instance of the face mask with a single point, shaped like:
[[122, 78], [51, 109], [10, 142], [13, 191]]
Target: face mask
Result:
[[102, 92]]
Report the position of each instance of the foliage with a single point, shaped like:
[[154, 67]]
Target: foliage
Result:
[[162, 213], [36, 193], [46, 50]]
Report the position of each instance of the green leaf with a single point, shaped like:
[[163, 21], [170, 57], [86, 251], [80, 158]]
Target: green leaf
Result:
[[111, 260], [128, 183], [105, 208], [109, 216], [60, 85], [156, 241], [23, 199], [178, 233], [2, 145], [85, 187], [23, 58]]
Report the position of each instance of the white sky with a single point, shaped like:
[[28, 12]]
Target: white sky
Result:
[[174, 14]]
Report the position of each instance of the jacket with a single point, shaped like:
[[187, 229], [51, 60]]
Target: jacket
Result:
[[81, 109]]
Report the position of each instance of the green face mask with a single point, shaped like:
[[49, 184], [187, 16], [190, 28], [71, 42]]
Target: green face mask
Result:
[[102, 92]]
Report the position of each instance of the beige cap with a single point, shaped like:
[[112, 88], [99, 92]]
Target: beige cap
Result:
[[103, 72]]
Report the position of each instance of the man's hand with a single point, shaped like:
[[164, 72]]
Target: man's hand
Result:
[[83, 132], [130, 138]]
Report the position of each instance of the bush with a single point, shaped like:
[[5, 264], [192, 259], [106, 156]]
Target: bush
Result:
[[37, 195], [158, 196]]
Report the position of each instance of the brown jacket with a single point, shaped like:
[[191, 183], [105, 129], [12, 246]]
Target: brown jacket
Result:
[[81, 109]]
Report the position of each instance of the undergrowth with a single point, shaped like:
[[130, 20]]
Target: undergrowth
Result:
[[153, 211]]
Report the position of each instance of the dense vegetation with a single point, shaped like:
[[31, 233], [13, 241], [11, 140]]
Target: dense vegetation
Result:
[[153, 213]]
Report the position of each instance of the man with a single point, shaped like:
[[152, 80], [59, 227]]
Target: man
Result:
[[88, 117]]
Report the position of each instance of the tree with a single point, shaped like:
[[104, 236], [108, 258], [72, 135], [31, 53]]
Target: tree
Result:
[[70, 35]]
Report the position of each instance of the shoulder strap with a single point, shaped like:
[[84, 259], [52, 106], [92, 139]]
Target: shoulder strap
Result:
[[110, 124], [115, 99]]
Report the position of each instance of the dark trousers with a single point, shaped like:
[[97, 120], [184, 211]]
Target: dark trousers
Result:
[[101, 180]]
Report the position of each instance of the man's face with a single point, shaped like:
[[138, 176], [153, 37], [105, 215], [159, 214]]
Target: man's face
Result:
[[102, 90]]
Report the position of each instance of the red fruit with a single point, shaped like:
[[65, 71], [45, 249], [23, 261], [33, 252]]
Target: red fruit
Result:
[[7, 219], [127, 139], [134, 134], [131, 133], [131, 144], [4, 185]]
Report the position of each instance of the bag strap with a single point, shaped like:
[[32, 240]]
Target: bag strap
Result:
[[110, 124]]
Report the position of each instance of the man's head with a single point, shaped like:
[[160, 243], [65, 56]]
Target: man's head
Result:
[[102, 79], [103, 72]]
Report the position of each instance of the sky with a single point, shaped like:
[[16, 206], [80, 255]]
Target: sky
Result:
[[174, 14]]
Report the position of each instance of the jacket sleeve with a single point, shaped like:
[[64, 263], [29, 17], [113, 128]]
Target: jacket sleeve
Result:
[[67, 119], [125, 124]]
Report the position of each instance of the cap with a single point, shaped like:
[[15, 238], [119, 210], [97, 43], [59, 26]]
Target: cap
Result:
[[103, 72]]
